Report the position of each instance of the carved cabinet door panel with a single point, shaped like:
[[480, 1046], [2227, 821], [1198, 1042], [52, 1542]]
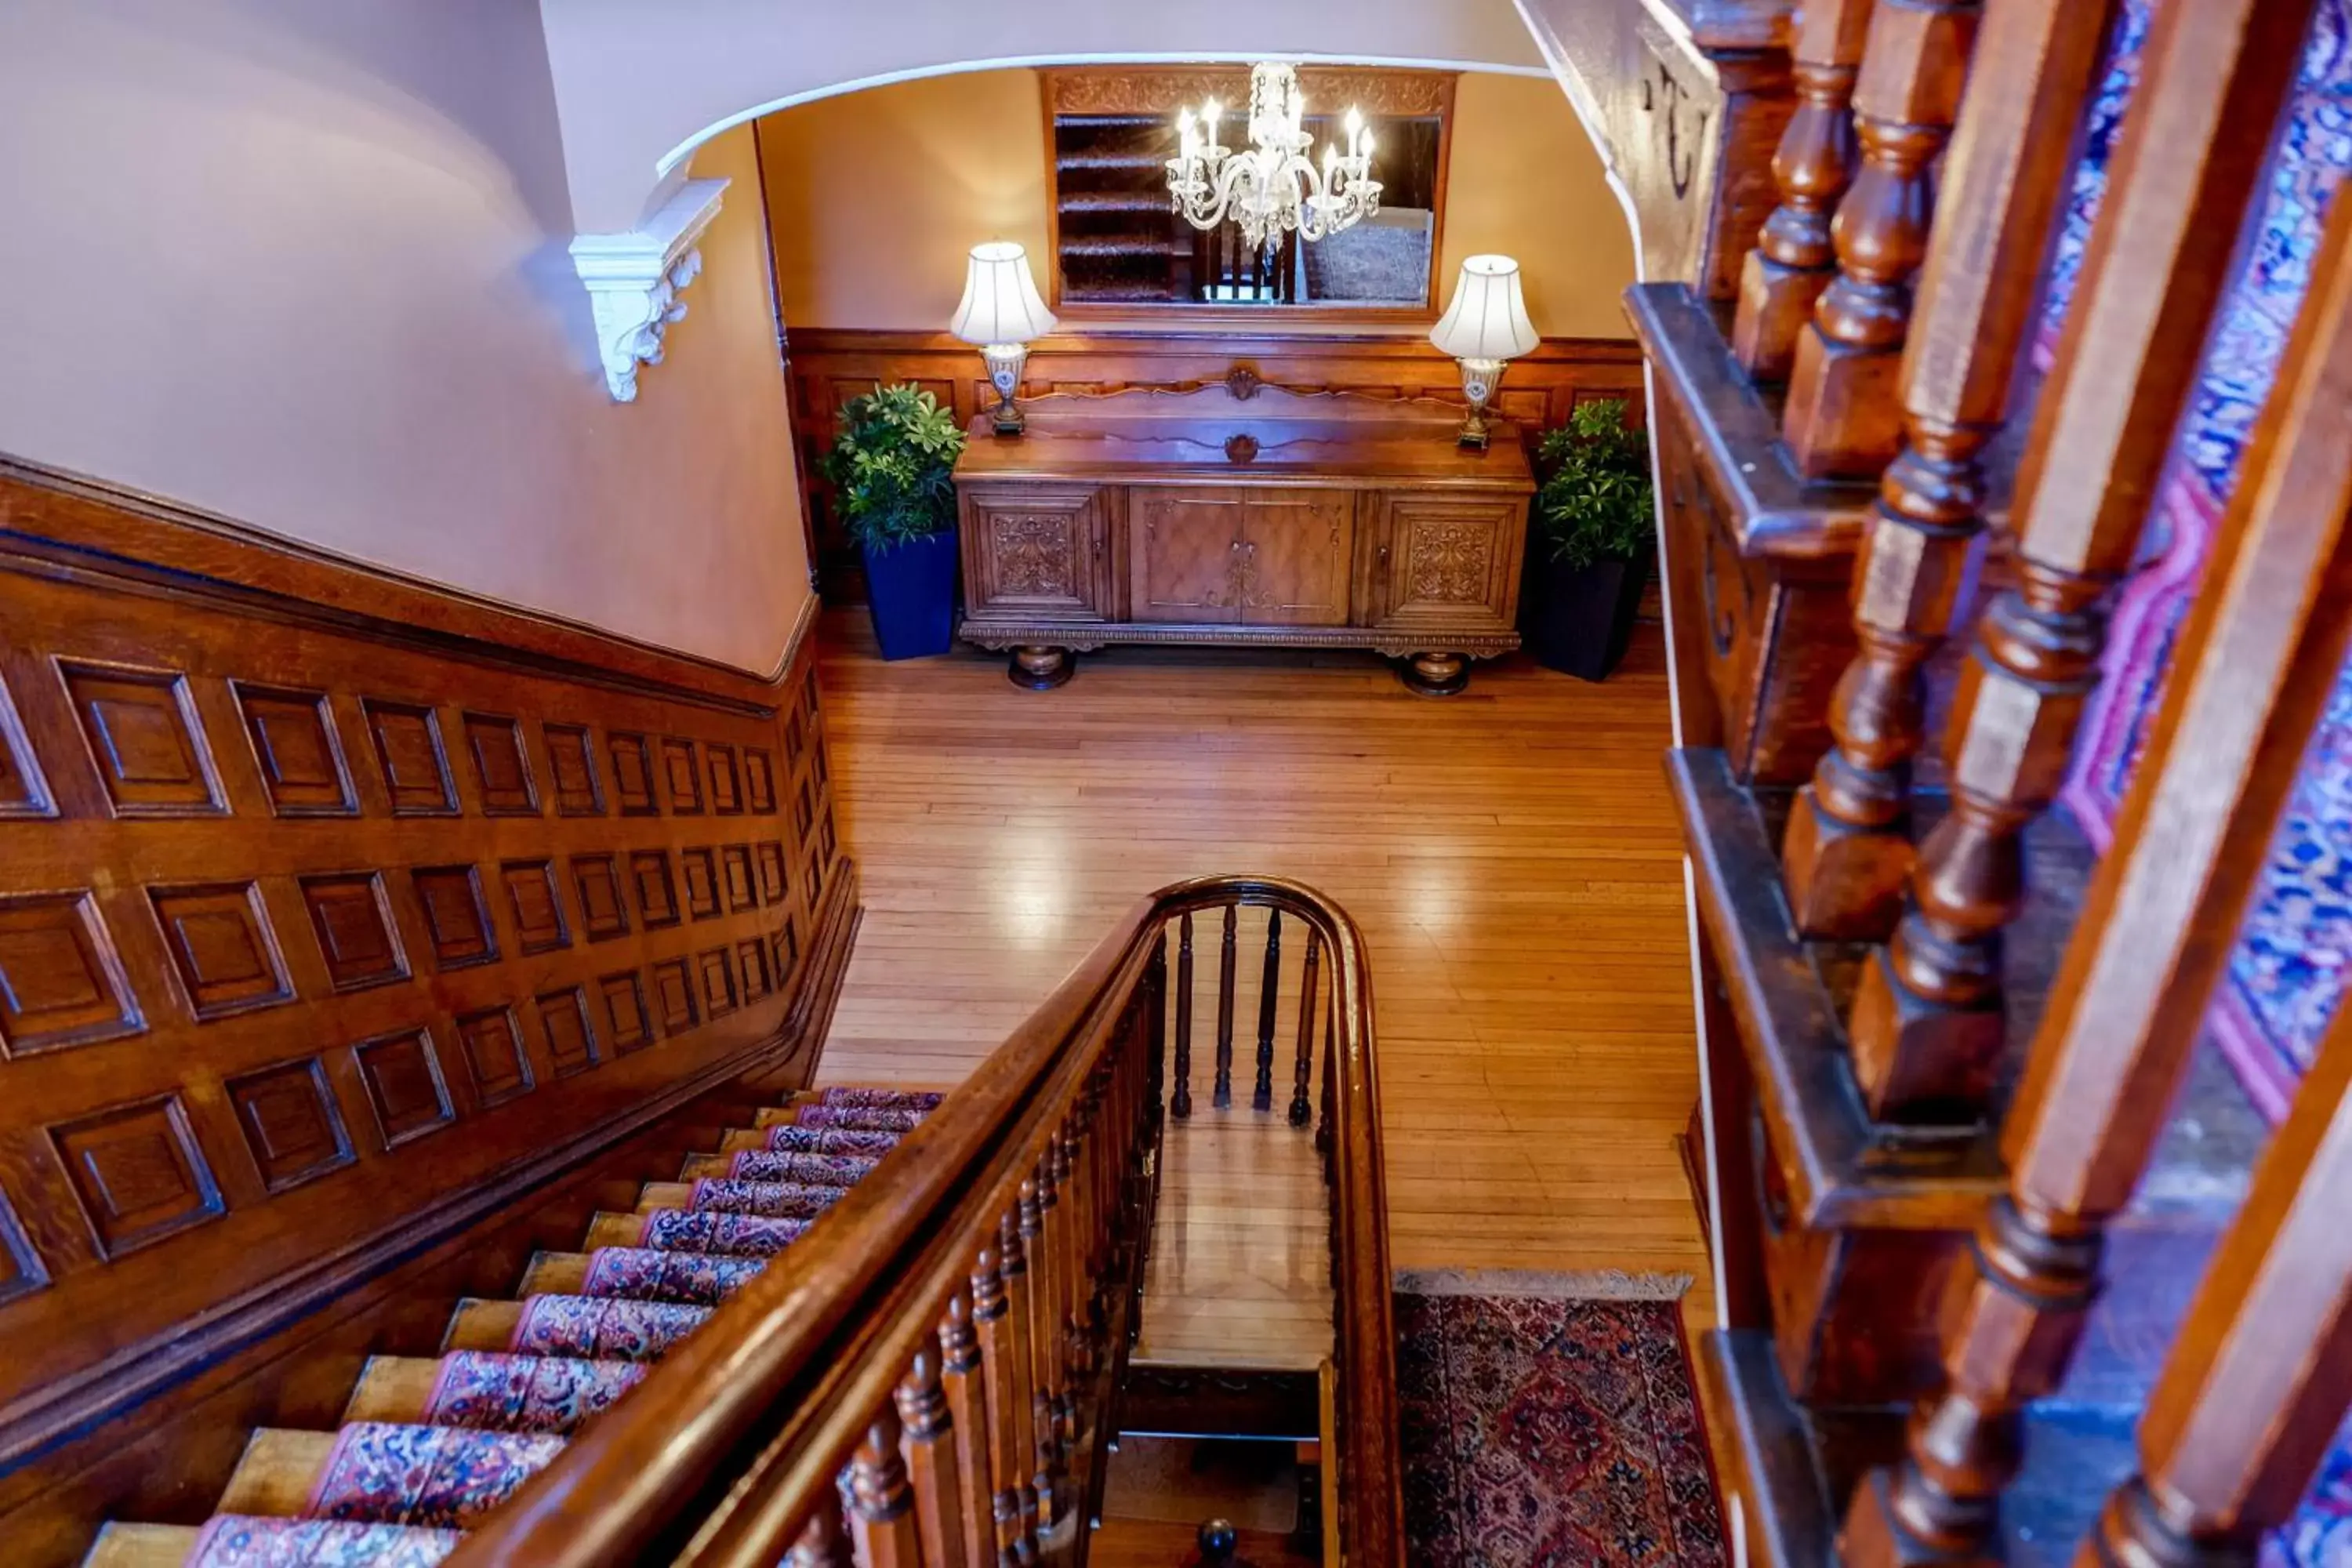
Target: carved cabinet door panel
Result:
[[1297, 557], [1035, 550], [1184, 553], [1449, 562]]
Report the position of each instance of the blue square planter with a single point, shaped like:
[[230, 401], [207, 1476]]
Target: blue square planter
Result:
[[911, 591]]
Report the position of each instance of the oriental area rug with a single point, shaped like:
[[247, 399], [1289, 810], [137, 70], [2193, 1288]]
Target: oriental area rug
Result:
[[1547, 1429]]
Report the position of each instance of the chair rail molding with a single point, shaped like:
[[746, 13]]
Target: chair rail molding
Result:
[[635, 278]]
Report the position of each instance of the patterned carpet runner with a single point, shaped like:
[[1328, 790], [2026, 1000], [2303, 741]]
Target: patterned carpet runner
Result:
[[1550, 1431], [398, 1493]]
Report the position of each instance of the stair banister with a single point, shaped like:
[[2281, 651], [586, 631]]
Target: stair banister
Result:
[[728, 1454]]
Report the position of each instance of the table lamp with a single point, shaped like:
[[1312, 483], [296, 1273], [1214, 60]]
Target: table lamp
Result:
[[1002, 312], [1485, 326]]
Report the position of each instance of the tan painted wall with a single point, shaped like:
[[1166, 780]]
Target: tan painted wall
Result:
[[876, 195], [304, 266]]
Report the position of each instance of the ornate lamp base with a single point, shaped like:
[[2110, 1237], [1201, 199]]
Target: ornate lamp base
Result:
[[1480, 377], [1004, 362]]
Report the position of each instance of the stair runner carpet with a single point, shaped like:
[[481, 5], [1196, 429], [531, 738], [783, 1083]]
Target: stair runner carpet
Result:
[[428, 1448]]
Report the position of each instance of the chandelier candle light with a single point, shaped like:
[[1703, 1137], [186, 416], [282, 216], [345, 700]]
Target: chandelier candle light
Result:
[[1002, 312], [1485, 326], [1270, 188]]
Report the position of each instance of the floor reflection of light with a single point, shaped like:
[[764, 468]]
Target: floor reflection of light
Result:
[[1433, 891], [1032, 877]]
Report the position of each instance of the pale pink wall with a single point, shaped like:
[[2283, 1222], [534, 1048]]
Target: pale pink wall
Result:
[[304, 265], [876, 196], [636, 82]]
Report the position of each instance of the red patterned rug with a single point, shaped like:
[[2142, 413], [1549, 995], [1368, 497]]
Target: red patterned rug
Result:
[[1546, 1431]]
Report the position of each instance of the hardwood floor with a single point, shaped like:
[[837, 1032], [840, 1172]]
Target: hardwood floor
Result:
[[1510, 853]]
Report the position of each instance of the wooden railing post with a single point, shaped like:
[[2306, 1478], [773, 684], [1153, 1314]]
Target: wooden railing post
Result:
[[1037, 1333], [1927, 1027], [1848, 849], [882, 1505], [1269, 990], [1226, 959], [2254, 666], [1794, 259], [929, 1445], [1841, 419], [823, 1544], [1302, 1109], [2255, 1387], [1180, 1105], [1036, 1486], [965, 1386]]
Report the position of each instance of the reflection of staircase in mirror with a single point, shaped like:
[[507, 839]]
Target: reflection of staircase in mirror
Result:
[[1115, 240]]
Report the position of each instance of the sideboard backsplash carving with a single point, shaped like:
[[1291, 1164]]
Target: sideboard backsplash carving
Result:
[[308, 922]]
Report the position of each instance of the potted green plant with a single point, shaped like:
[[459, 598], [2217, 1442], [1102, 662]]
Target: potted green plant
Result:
[[1589, 554], [891, 468]]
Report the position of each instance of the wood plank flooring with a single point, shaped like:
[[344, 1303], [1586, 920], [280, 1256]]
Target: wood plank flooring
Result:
[[1510, 854]]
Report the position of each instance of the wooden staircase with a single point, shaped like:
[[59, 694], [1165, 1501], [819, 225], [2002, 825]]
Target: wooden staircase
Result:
[[428, 1445]]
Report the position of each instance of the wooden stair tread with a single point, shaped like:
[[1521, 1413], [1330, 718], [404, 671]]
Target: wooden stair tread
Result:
[[142, 1546], [278, 1472], [394, 1388], [555, 1274], [480, 1325]]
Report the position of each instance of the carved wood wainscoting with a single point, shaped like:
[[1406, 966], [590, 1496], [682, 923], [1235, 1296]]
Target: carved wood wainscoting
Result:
[[831, 365], [336, 912]]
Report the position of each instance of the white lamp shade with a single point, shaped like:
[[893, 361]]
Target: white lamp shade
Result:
[[1488, 318], [1001, 304]]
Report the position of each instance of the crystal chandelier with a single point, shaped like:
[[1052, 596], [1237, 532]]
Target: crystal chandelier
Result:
[[1270, 188]]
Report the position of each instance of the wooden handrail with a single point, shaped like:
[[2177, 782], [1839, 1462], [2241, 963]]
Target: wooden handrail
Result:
[[729, 1449]]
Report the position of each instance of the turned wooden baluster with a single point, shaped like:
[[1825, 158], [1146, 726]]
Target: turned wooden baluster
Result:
[[1012, 1250], [1044, 1355], [1795, 258], [2253, 668], [823, 1544], [2255, 1387], [993, 1322], [1926, 1027], [1226, 959], [1269, 988], [1181, 1106], [964, 1383], [1049, 1253], [930, 1452], [1841, 417], [1848, 850], [881, 1503], [1302, 1109]]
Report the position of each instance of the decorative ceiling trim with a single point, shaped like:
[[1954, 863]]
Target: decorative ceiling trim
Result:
[[634, 280]]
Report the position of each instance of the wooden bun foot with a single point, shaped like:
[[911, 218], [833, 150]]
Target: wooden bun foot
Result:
[[1435, 674], [1040, 669]]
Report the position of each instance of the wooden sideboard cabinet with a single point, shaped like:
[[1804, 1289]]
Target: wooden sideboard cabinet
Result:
[[1238, 513]]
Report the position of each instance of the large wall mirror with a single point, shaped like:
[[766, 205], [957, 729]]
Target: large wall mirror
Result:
[[1118, 247]]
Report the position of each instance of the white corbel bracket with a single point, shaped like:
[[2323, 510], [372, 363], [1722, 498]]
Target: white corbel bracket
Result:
[[635, 278]]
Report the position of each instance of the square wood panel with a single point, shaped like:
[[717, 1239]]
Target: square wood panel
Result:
[[673, 996], [604, 912], [500, 768], [685, 780], [290, 1124], [62, 982], [402, 1074], [796, 738], [736, 876], [536, 907], [717, 974], [656, 891], [623, 995], [725, 779], [297, 750], [22, 791], [785, 950], [773, 884], [492, 1047], [138, 1174], [222, 947], [357, 939], [21, 1270], [571, 760], [563, 1025], [455, 919], [410, 758], [633, 774], [146, 739], [813, 875], [701, 869], [759, 780], [804, 809], [751, 968]]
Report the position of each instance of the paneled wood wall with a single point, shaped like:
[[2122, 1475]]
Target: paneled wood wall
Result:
[[830, 366], [331, 903]]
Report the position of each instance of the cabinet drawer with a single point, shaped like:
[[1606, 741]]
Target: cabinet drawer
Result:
[[1035, 552], [1448, 563], [1298, 557]]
